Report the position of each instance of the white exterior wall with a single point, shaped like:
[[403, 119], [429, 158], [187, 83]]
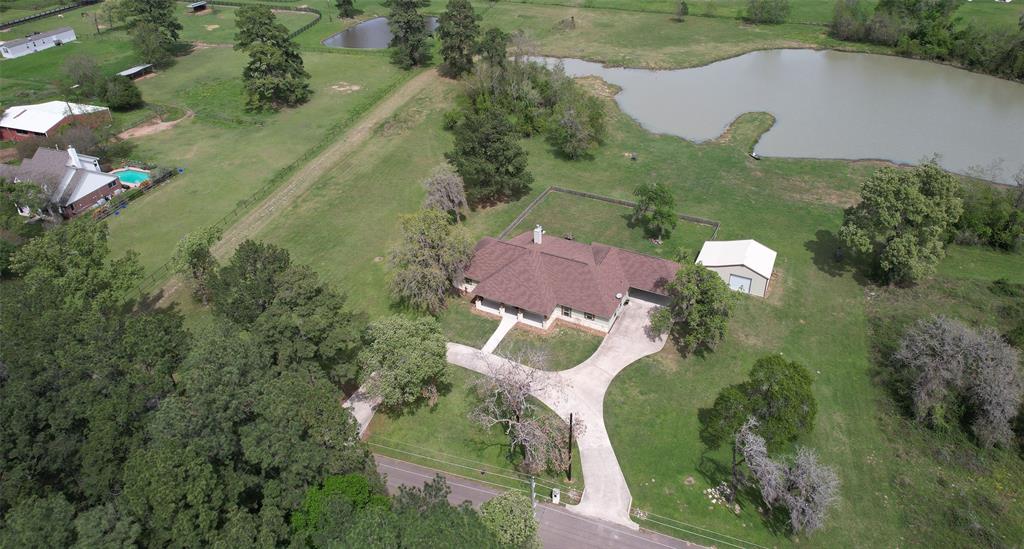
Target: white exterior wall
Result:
[[758, 283], [37, 45], [579, 317], [468, 286], [488, 306]]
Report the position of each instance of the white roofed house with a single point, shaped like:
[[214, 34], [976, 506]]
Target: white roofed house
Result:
[[745, 265], [72, 183], [22, 122], [36, 42]]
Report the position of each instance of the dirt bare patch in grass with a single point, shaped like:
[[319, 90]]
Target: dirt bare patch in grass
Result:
[[212, 27], [345, 87], [152, 126]]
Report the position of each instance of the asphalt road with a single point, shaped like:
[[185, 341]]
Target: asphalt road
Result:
[[559, 529]]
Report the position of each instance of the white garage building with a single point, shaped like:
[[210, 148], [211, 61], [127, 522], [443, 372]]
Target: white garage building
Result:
[[745, 265]]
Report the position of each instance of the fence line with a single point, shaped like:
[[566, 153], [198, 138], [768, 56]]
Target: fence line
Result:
[[119, 203], [294, 33], [584, 194], [47, 13]]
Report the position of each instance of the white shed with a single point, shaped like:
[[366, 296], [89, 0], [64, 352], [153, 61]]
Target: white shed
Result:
[[37, 42], [745, 265]]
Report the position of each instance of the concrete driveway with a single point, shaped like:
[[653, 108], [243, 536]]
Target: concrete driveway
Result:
[[580, 391]]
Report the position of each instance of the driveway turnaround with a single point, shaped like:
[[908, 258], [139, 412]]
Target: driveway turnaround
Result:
[[580, 391], [558, 529]]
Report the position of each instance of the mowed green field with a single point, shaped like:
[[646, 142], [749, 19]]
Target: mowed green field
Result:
[[228, 153]]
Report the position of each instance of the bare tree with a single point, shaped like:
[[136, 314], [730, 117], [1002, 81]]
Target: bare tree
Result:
[[445, 191], [806, 488], [505, 400], [996, 388], [811, 489], [767, 473], [947, 360]]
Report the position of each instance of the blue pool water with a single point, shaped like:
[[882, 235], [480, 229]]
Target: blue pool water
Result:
[[132, 176]]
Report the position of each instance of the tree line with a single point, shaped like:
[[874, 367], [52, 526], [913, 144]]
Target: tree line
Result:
[[118, 426], [929, 29]]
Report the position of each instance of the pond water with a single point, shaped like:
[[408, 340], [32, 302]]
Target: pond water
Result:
[[369, 34], [831, 104]]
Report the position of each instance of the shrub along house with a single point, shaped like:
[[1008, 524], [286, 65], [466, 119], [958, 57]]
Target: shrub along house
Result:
[[22, 122], [72, 182], [540, 279]]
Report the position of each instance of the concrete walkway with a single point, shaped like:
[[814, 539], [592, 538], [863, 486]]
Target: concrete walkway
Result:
[[581, 391], [362, 407], [504, 327]]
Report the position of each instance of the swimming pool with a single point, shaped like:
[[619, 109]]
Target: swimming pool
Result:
[[131, 176]]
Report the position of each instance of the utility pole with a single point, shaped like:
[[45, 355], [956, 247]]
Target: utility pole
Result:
[[533, 495], [570, 446]]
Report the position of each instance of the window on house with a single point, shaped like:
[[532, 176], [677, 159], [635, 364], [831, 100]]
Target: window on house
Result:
[[21, 132], [111, 184], [588, 316], [566, 311]]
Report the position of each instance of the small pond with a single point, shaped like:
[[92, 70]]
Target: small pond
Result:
[[831, 104], [369, 34]]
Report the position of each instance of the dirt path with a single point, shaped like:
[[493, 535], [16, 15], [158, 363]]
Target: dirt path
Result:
[[305, 177], [153, 125]]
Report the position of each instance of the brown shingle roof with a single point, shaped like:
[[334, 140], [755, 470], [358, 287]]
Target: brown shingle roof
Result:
[[585, 277]]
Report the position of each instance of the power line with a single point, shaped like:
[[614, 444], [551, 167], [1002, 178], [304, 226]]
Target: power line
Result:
[[515, 479], [747, 543]]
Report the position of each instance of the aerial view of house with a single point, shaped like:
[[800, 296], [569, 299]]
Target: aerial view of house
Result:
[[541, 279], [603, 274], [72, 182]]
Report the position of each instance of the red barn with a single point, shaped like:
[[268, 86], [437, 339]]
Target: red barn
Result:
[[22, 122]]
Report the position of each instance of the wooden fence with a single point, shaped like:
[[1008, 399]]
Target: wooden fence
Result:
[[522, 215]]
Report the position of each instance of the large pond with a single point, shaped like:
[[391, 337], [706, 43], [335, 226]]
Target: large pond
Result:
[[835, 105], [369, 34]]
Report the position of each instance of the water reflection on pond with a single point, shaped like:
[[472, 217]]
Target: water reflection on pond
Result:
[[831, 104], [369, 34]]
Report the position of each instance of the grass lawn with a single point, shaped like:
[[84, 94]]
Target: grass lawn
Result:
[[443, 437], [463, 326], [982, 263], [228, 153], [563, 347], [590, 220]]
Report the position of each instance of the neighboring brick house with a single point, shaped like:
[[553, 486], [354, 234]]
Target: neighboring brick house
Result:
[[22, 122], [72, 182], [540, 279]]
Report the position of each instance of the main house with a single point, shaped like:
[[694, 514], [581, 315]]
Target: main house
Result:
[[73, 182], [22, 122], [540, 279]]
